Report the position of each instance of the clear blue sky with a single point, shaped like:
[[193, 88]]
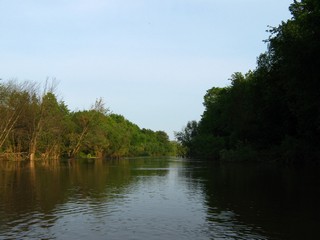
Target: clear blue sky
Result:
[[150, 60]]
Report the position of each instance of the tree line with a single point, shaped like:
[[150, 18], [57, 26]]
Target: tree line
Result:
[[273, 111], [34, 124]]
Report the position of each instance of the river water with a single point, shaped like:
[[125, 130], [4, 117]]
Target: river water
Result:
[[158, 198]]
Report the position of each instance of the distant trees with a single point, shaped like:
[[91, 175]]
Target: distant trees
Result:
[[34, 124], [273, 111]]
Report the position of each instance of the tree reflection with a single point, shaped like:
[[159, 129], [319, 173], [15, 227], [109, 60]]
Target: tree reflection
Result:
[[275, 201], [40, 187]]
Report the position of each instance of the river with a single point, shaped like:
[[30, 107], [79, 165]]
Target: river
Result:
[[158, 198]]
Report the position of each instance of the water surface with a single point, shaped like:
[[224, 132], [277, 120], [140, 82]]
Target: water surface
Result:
[[157, 198]]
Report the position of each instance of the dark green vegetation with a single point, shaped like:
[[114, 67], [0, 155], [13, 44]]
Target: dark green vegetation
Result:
[[272, 112], [35, 125]]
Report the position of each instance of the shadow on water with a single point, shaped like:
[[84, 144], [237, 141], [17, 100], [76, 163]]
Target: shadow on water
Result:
[[174, 198], [279, 201]]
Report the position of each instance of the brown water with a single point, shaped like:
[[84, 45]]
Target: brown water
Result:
[[164, 198]]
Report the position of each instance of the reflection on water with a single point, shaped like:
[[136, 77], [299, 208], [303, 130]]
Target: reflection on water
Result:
[[166, 198]]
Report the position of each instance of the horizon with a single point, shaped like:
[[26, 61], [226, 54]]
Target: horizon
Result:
[[151, 61]]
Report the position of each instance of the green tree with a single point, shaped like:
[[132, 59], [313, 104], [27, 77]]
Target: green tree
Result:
[[273, 110], [187, 137], [295, 50], [51, 139]]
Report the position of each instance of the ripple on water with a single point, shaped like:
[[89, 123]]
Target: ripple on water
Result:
[[32, 225], [151, 203]]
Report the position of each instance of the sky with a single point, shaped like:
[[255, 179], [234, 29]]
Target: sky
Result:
[[149, 60]]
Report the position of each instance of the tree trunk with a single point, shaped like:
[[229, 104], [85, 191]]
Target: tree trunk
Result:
[[76, 149], [32, 150], [9, 126]]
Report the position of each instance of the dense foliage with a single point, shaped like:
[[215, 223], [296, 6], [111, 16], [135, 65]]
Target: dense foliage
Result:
[[274, 111], [35, 125]]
